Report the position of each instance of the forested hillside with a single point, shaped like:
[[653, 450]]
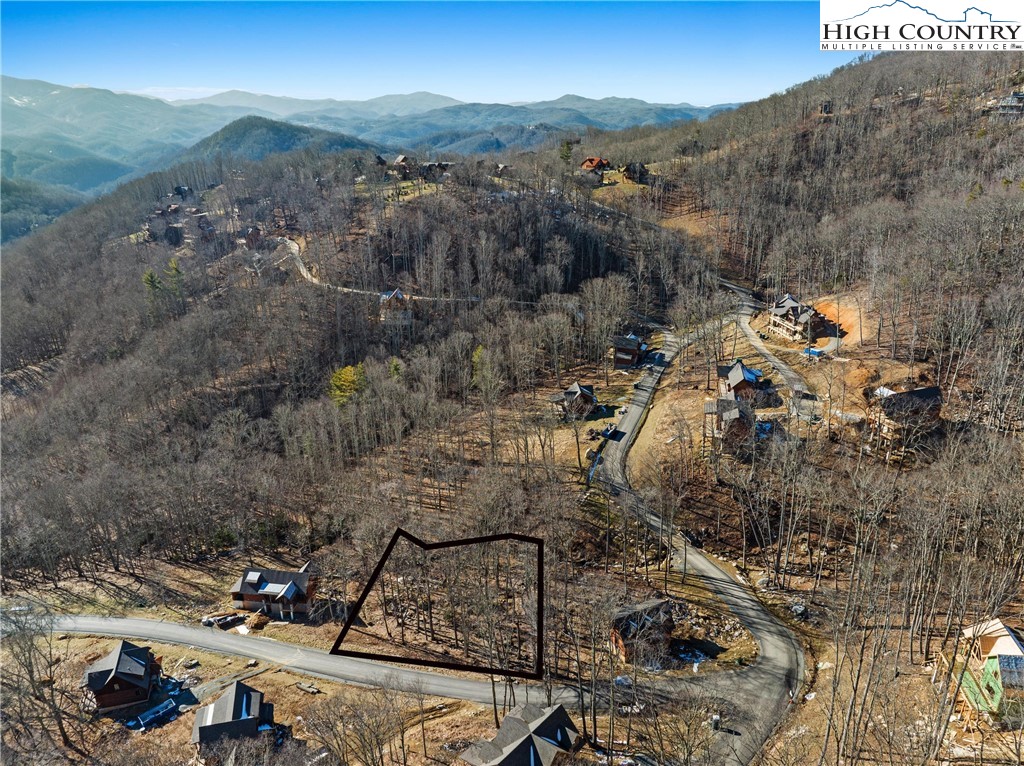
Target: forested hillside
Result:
[[214, 368], [28, 206], [253, 138]]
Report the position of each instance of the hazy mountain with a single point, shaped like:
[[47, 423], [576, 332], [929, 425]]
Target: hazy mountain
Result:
[[89, 138], [496, 139], [25, 205], [397, 105], [627, 112], [254, 138]]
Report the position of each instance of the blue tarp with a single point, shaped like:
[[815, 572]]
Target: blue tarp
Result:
[[154, 715]]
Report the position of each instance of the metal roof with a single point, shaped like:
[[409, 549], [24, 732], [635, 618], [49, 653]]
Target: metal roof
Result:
[[273, 582], [237, 712], [127, 662]]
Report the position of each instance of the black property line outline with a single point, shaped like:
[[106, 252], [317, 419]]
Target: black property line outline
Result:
[[538, 672]]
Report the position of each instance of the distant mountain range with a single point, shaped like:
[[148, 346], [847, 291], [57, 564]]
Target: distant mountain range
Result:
[[89, 139], [283, 106]]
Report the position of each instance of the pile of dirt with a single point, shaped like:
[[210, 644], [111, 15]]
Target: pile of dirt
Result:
[[257, 621], [861, 376]]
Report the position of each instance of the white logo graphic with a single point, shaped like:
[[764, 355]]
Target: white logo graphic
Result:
[[932, 25]]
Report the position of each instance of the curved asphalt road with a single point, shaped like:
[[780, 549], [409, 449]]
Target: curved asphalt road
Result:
[[760, 694], [301, 659]]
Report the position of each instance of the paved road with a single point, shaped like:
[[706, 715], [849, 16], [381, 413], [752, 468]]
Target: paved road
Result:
[[312, 662], [760, 694]]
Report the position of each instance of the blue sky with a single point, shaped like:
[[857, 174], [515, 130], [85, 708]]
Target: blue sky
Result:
[[697, 52]]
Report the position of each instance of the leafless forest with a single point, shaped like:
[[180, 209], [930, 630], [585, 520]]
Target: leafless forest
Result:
[[166, 403]]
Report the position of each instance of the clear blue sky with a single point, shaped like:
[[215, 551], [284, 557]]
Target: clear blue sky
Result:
[[698, 52]]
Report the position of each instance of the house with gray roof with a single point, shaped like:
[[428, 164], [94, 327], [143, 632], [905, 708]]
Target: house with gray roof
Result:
[[239, 712], [124, 677], [275, 592], [576, 401], [793, 320], [738, 380], [528, 736]]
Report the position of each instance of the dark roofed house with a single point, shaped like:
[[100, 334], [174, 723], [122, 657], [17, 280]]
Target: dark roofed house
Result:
[[395, 308], [896, 421], [646, 624], [793, 320], [403, 166], [276, 592], [528, 736], [124, 677], [729, 422], [738, 380], [576, 401], [239, 712], [629, 350], [636, 172]]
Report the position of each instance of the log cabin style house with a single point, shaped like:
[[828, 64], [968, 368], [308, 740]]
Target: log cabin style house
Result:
[[124, 677], [793, 320]]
